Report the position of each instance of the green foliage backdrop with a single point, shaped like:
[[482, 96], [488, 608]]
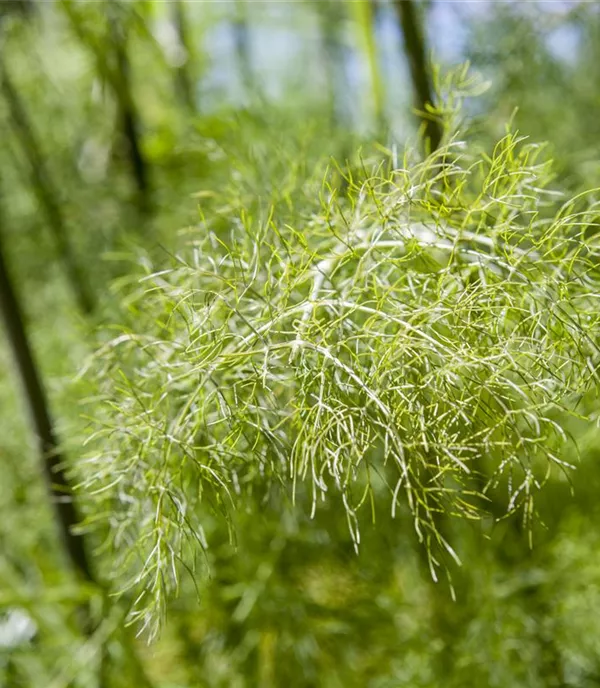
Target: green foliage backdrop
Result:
[[332, 418]]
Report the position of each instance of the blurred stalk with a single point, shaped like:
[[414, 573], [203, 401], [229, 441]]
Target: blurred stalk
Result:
[[23, 7], [416, 55], [333, 59], [41, 181], [184, 81], [128, 115], [58, 484], [44, 190], [338, 86], [117, 76], [365, 12], [243, 51], [59, 487]]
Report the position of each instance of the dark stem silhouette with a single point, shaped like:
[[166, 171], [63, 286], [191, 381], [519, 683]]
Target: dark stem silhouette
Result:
[[44, 190], [127, 112], [416, 55], [59, 487], [114, 69], [184, 82]]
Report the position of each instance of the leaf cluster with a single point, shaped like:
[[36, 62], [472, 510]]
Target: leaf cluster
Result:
[[415, 339]]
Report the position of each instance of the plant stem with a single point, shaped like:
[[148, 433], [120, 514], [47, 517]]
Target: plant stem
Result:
[[58, 484], [183, 79], [117, 77], [333, 60], [366, 12], [44, 190], [127, 111], [243, 51], [416, 54], [59, 487]]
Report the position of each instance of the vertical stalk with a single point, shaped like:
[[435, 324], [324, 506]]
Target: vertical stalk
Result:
[[416, 55], [183, 78], [115, 73], [52, 462], [333, 59], [243, 52], [44, 190], [59, 487], [128, 115], [366, 13]]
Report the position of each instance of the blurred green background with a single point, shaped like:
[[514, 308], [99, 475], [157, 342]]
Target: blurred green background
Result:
[[120, 120]]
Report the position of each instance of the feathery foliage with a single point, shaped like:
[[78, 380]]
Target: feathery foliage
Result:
[[409, 341]]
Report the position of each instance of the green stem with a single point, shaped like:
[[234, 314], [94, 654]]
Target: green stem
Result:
[[44, 190], [416, 54], [184, 85], [59, 487], [128, 114]]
